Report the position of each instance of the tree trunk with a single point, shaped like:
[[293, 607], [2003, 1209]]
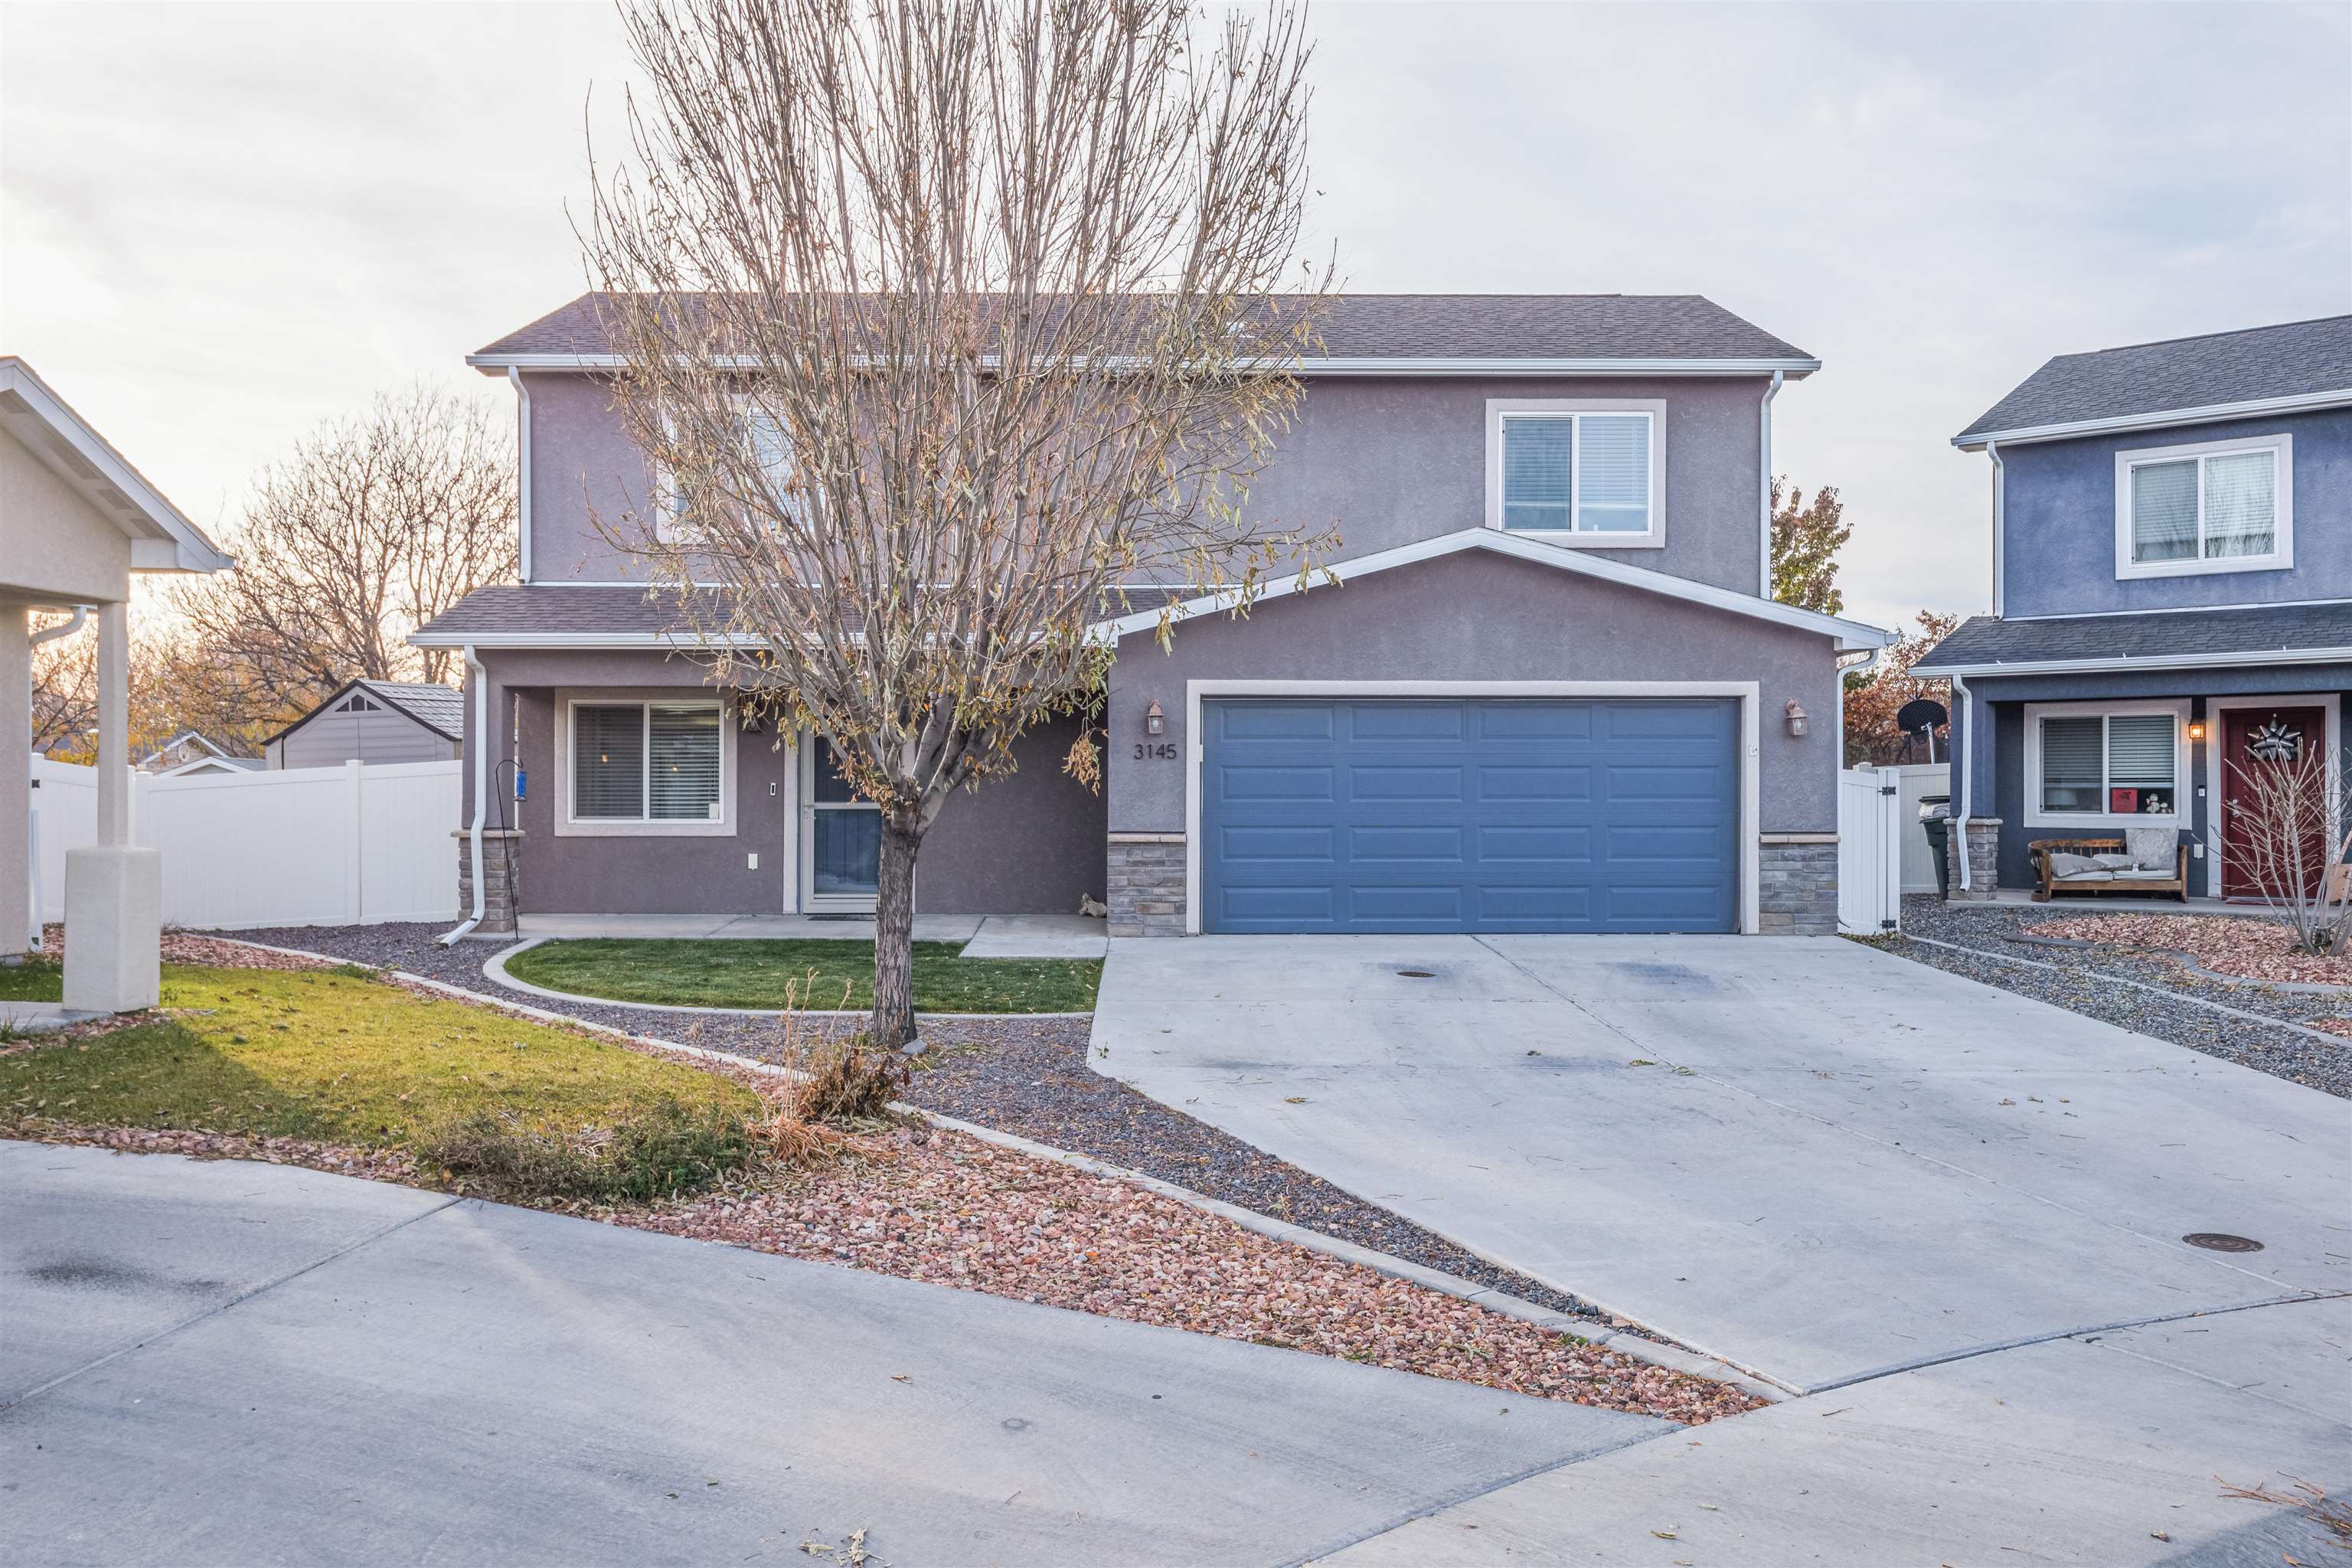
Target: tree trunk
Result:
[[894, 933]]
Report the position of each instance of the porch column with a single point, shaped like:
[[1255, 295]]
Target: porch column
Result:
[[15, 783], [114, 892]]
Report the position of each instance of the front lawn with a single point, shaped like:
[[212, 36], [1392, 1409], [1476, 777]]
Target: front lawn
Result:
[[807, 973], [355, 1061], [37, 979]]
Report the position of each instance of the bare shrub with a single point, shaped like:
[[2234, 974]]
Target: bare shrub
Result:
[[2294, 832]]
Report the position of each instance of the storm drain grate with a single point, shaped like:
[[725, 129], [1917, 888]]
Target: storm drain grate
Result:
[[2216, 1241]]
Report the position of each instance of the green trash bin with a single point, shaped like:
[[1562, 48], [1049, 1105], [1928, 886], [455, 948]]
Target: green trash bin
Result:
[[1940, 838]]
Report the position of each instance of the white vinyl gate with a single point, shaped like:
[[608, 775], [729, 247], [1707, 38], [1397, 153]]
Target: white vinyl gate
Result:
[[1869, 850], [345, 846]]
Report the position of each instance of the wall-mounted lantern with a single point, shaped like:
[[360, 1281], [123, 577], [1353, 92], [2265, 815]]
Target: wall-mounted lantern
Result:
[[2197, 729], [1155, 722], [1796, 718]]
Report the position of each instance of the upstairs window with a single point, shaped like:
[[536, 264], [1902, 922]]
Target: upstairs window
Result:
[[1590, 473], [2216, 506]]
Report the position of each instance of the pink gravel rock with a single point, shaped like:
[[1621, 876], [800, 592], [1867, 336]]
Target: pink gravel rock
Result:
[[2228, 944]]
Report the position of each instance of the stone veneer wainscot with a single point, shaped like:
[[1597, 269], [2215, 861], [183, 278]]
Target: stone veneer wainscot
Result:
[[1146, 884]]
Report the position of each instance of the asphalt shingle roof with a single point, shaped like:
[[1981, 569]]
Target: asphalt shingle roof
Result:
[[441, 708], [2293, 360], [1404, 326], [1983, 641]]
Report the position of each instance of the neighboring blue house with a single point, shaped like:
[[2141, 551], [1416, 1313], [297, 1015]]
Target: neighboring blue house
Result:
[[2172, 577]]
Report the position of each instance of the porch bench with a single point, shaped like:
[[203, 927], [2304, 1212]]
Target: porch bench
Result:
[[2131, 881]]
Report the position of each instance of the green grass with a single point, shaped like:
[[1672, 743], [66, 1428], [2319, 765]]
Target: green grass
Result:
[[34, 980], [761, 973], [345, 1059]]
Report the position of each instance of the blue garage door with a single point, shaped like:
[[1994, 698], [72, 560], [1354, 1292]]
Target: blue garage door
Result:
[[1602, 815]]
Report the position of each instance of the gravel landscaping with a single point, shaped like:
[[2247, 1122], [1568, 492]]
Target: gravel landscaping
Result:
[[2261, 1027], [1025, 1076]]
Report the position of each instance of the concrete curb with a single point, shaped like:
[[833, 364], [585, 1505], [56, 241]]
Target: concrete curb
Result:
[[1634, 1347], [495, 969]]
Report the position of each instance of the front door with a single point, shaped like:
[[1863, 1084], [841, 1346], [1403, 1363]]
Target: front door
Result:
[[2256, 742], [841, 838]]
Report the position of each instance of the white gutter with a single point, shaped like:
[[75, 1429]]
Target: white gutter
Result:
[[51, 634], [1968, 747], [2338, 654], [33, 861], [1764, 497], [522, 471], [2000, 519], [2160, 419], [491, 363], [480, 679]]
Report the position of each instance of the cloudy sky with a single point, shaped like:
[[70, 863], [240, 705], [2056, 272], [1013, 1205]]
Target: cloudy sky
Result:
[[220, 224]]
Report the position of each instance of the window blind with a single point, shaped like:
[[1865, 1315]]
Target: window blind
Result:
[[683, 752], [2139, 750], [1539, 466], [2240, 500], [2164, 511], [2072, 757], [1612, 473], [608, 763]]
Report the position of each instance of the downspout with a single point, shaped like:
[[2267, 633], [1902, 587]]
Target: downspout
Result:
[[2000, 519], [1961, 706], [522, 471], [1764, 493], [33, 840], [479, 680]]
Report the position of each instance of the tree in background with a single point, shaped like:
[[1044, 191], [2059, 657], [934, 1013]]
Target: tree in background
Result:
[[367, 528], [944, 317], [1873, 698], [1805, 542]]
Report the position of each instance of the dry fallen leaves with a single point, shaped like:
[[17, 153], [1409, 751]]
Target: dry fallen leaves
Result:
[[2250, 948]]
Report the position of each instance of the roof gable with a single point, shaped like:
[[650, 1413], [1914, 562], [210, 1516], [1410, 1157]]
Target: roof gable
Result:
[[415, 701], [163, 540]]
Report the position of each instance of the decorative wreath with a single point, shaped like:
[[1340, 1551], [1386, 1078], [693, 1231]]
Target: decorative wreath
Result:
[[2275, 743]]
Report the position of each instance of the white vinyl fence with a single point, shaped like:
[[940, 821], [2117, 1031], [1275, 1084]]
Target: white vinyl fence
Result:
[[302, 847], [1917, 779], [1869, 850]]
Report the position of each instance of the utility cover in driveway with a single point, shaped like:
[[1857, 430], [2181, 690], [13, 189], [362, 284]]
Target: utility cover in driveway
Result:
[[1590, 814]]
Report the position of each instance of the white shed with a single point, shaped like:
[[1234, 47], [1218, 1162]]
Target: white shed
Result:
[[374, 722]]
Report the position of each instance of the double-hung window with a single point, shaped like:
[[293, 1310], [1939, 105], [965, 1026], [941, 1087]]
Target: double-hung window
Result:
[[646, 761], [2212, 506], [2091, 767], [1585, 473]]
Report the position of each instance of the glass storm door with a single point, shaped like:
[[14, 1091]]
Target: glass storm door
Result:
[[843, 837]]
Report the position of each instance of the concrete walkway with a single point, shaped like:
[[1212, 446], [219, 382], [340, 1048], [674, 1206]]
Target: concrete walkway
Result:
[[1827, 1165], [218, 1363], [984, 936]]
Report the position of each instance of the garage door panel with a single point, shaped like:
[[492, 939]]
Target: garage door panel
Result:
[[1420, 815]]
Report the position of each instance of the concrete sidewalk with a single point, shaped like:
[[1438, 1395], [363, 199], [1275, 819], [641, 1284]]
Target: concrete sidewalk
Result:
[[220, 1363]]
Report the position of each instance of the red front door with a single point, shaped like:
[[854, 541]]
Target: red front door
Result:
[[2260, 738]]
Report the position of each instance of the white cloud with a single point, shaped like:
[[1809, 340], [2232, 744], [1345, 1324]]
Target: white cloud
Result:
[[223, 223]]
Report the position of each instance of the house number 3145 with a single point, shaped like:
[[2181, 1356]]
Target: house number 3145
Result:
[[1155, 751]]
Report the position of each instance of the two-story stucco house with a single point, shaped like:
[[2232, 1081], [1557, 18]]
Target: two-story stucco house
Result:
[[2172, 582], [1549, 694]]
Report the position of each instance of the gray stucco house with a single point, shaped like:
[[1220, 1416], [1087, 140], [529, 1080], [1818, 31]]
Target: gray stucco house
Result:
[[2172, 580], [1549, 694]]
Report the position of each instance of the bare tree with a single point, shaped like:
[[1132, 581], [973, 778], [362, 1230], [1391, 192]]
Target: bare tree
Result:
[[943, 318], [2293, 831], [368, 528]]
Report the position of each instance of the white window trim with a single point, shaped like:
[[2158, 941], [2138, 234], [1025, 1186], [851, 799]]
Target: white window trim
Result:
[[2106, 821], [2280, 555], [1499, 408], [2328, 701], [568, 825], [1748, 693]]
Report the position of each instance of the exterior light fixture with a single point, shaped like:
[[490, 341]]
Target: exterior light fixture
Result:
[[1155, 722], [2197, 729], [1796, 718]]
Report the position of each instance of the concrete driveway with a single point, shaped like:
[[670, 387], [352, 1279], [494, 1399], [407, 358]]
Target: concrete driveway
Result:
[[1827, 1165], [213, 1362]]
